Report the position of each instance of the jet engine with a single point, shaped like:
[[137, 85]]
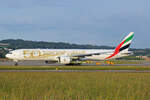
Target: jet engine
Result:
[[64, 60]]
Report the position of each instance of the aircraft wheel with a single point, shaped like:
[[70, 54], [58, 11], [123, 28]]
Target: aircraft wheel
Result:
[[16, 64]]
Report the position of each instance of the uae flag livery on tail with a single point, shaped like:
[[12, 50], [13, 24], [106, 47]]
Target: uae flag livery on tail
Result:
[[123, 46]]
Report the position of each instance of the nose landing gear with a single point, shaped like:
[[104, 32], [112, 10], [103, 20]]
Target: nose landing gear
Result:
[[15, 62]]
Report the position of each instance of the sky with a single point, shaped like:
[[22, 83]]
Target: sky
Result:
[[96, 22]]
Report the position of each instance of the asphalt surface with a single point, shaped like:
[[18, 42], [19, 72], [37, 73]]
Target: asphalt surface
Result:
[[115, 71], [42, 63]]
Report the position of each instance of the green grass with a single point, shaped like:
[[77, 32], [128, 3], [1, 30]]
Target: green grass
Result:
[[74, 86], [75, 67]]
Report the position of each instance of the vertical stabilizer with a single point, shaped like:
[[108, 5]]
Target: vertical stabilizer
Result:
[[124, 45]]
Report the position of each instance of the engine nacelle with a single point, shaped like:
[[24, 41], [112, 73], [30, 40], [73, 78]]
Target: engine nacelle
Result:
[[64, 60]]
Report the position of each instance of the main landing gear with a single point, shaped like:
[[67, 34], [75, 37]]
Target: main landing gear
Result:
[[73, 64]]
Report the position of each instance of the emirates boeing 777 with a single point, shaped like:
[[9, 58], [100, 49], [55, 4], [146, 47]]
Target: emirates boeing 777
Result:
[[68, 56]]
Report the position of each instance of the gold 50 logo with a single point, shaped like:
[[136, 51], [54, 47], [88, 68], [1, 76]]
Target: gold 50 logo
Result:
[[31, 53]]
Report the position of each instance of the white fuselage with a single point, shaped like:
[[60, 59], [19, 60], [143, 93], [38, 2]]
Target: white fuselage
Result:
[[53, 54]]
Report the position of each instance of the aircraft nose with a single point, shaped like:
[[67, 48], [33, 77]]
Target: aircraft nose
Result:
[[8, 55]]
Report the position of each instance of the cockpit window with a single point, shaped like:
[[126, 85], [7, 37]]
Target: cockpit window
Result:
[[10, 52]]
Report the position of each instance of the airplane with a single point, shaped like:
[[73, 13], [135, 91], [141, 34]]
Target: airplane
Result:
[[68, 56]]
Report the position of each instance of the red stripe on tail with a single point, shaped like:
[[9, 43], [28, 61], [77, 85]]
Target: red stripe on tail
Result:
[[116, 50]]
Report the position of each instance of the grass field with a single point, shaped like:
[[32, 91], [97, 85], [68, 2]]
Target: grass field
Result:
[[75, 67], [74, 86]]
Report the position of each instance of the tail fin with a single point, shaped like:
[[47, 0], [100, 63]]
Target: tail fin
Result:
[[123, 46]]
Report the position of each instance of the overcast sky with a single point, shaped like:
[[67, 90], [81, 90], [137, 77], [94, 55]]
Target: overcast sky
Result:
[[98, 22]]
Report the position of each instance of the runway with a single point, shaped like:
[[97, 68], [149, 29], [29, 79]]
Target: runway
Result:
[[42, 63], [60, 71]]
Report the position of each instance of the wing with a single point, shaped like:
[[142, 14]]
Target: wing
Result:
[[90, 54]]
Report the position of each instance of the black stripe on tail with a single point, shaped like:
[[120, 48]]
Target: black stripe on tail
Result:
[[125, 47]]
